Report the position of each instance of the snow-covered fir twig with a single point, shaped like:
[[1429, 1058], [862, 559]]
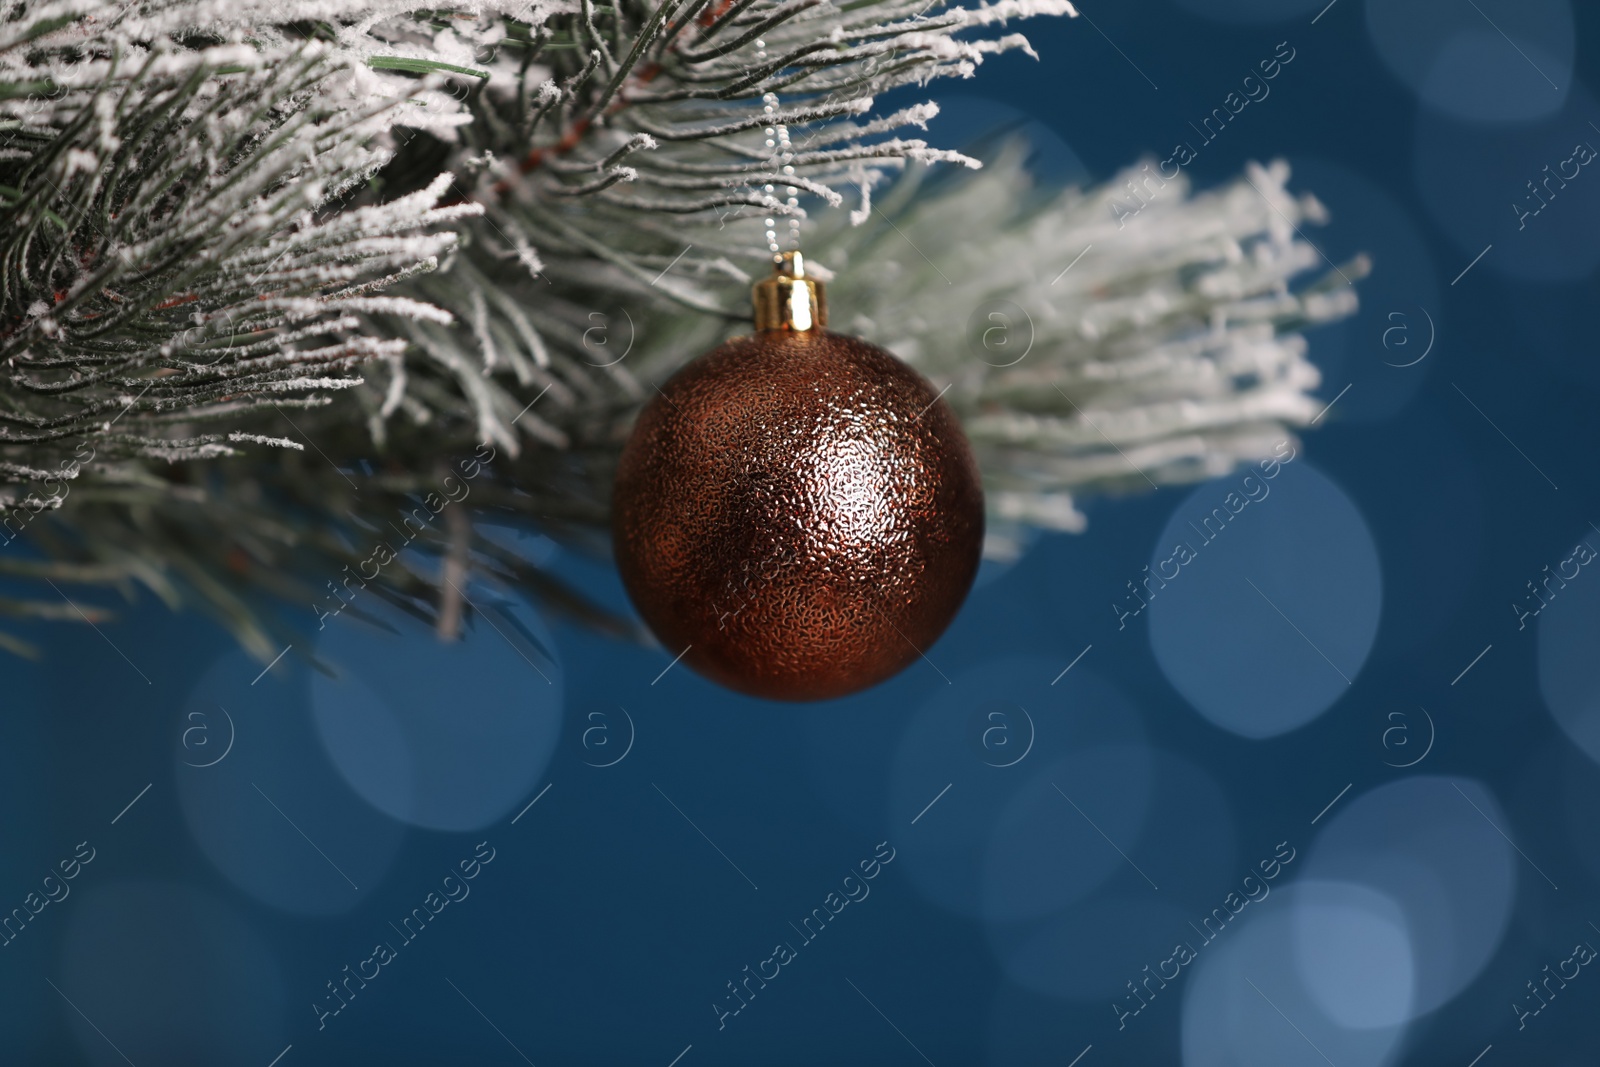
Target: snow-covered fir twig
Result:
[[271, 274], [1089, 348]]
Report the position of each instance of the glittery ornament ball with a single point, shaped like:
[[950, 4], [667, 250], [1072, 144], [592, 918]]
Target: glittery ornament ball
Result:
[[801, 512]]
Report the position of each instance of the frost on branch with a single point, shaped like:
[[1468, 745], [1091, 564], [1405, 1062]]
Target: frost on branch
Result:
[[176, 253], [1156, 349], [271, 273], [1170, 351], [627, 164], [168, 237]]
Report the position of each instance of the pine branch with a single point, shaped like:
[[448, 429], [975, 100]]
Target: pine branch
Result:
[[265, 268]]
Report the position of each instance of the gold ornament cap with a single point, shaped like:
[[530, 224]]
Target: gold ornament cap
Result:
[[789, 300]]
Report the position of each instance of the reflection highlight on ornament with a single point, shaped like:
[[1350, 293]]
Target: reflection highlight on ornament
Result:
[[863, 486]]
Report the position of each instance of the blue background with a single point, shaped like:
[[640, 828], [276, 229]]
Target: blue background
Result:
[[617, 908]]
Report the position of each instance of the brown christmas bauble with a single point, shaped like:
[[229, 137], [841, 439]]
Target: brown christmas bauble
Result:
[[798, 509]]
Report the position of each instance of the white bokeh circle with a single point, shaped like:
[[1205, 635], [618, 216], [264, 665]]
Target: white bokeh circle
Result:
[[1484, 62], [1271, 618], [1353, 950], [251, 779], [1435, 846], [1248, 1003], [1525, 196], [442, 735], [1079, 947], [1569, 672], [942, 745]]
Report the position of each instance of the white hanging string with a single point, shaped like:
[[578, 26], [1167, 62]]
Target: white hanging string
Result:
[[782, 160]]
